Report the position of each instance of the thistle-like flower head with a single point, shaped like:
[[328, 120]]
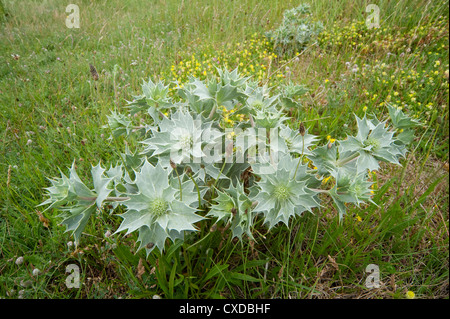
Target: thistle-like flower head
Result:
[[373, 142], [180, 139], [268, 119], [234, 206], [292, 142], [156, 210], [156, 94], [281, 194]]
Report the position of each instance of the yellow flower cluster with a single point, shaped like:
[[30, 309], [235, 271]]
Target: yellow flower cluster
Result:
[[230, 117], [406, 88], [253, 57], [362, 40], [331, 140]]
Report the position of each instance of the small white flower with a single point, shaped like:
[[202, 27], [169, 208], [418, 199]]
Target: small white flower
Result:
[[29, 142], [36, 272], [69, 244], [107, 234], [19, 261]]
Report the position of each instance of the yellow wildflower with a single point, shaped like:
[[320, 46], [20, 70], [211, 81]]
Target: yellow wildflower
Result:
[[410, 294]]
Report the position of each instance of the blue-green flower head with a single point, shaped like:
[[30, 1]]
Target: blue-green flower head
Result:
[[269, 119], [178, 139], [292, 142], [233, 206], [156, 94], [282, 196], [374, 142], [157, 207]]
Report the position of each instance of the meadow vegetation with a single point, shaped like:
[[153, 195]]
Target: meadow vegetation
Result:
[[54, 112]]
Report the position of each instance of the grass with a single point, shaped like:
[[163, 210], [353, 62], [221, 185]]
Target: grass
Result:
[[52, 113]]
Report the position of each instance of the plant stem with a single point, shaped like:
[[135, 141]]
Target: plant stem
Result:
[[198, 191], [212, 112], [347, 160], [301, 156], [179, 181], [218, 177], [108, 199]]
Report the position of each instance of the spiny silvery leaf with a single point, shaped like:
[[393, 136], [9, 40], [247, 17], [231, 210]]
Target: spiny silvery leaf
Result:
[[295, 32], [119, 124], [180, 133], [247, 140], [156, 206], [233, 172], [183, 139], [156, 94], [253, 89], [372, 143], [75, 199], [351, 188], [233, 78], [290, 93], [194, 102], [204, 172], [75, 218], [200, 89], [400, 120], [404, 125], [77, 186], [138, 104], [59, 193], [269, 119], [268, 165], [329, 162], [257, 102], [227, 95], [304, 8], [405, 137], [154, 236], [188, 193], [115, 173], [131, 160], [68, 189], [223, 207], [325, 159], [118, 184], [292, 142], [281, 196], [225, 92], [101, 184], [233, 206]]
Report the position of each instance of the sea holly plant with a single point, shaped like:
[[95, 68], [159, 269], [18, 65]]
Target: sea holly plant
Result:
[[297, 30], [158, 210], [221, 151]]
